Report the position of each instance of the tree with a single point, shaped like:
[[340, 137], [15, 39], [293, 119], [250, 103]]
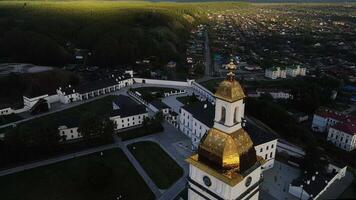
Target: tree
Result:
[[108, 128], [90, 126], [159, 117]]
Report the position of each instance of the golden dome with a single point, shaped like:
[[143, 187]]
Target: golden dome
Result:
[[227, 151], [230, 90]]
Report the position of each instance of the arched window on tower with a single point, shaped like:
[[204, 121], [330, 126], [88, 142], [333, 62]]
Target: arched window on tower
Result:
[[236, 113], [223, 115]]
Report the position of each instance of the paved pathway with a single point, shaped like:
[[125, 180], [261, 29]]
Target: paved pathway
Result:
[[142, 172], [168, 140]]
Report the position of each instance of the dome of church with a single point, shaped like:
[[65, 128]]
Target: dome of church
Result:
[[230, 90], [227, 151]]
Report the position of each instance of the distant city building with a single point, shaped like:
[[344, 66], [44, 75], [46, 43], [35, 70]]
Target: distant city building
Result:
[[296, 70], [275, 72], [275, 93], [278, 72]]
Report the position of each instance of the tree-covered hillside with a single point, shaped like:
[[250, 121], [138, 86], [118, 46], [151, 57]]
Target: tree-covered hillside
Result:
[[48, 33]]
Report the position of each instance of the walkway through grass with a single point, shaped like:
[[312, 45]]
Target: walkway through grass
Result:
[[91, 177], [161, 168]]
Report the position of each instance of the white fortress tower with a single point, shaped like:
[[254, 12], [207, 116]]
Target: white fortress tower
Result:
[[226, 165]]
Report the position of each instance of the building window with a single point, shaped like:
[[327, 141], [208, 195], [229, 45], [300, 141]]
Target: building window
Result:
[[223, 115], [261, 149], [266, 148], [236, 115], [266, 157], [272, 146], [271, 155]]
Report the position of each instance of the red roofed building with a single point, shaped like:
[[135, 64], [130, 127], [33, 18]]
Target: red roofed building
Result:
[[341, 128], [324, 118], [343, 135]]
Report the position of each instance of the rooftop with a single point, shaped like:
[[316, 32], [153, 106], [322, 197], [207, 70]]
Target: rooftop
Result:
[[325, 113], [313, 187], [349, 128], [95, 85], [159, 104], [127, 107]]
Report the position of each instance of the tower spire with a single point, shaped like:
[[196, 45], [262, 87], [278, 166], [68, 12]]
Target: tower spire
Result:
[[231, 67]]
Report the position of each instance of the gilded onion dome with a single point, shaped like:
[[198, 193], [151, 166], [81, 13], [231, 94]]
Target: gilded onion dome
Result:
[[230, 90], [225, 151]]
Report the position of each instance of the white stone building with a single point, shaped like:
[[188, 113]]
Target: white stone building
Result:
[[324, 118], [5, 110], [69, 132], [127, 112], [96, 88], [314, 185], [343, 135]]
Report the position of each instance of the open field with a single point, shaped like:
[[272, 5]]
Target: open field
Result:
[[162, 169], [91, 177]]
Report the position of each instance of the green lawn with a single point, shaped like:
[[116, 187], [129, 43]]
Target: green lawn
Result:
[[100, 107], [187, 99], [162, 169], [5, 119], [91, 178], [140, 131]]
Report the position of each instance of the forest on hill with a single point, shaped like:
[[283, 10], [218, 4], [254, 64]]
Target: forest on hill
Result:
[[49, 33]]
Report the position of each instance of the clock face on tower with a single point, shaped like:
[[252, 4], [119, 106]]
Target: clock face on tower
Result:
[[207, 181], [248, 181]]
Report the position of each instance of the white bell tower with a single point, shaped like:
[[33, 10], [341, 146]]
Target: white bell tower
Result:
[[226, 166]]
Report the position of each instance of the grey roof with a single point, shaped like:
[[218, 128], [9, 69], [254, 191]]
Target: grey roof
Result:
[[206, 116], [127, 107], [159, 105], [258, 134], [316, 186], [95, 85]]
